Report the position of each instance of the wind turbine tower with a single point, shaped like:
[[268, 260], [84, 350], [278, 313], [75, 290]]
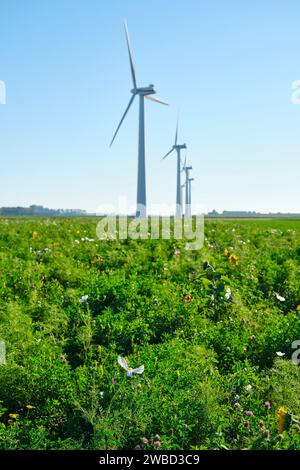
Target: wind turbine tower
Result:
[[190, 194], [177, 147], [181, 197], [144, 92]]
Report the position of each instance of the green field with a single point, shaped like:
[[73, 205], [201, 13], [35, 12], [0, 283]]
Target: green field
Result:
[[207, 325]]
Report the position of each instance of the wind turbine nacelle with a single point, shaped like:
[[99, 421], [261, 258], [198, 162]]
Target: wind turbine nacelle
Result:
[[188, 168], [180, 147], [148, 90]]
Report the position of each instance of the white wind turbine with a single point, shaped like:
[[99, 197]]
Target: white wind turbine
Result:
[[178, 148], [145, 92]]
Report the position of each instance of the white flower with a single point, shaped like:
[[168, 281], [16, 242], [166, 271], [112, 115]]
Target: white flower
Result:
[[228, 293], [249, 388], [77, 241], [278, 297], [123, 363], [280, 354], [83, 299], [87, 239]]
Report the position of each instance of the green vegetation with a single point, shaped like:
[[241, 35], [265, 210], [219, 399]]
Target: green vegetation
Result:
[[207, 325]]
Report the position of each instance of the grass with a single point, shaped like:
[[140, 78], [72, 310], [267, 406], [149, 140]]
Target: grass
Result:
[[206, 324]]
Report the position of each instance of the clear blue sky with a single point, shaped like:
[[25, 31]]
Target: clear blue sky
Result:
[[227, 65]]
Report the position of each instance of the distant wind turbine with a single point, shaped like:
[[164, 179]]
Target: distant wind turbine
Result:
[[146, 92], [178, 149], [187, 169]]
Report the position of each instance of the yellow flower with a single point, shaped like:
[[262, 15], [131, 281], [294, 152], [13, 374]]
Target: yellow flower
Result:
[[234, 259], [298, 308], [282, 412], [13, 415], [29, 407], [97, 259], [34, 234], [226, 252], [12, 422]]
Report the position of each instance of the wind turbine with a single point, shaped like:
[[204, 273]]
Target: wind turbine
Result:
[[187, 169], [178, 149], [145, 92]]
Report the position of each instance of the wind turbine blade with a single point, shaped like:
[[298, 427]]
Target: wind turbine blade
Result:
[[176, 134], [130, 56], [123, 117], [150, 97], [168, 154]]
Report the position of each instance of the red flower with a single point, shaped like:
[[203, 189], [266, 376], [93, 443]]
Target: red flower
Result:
[[187, 298]]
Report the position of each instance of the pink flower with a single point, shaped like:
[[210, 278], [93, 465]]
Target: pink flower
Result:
[[145, 440], [177, 253], [267, 405], [237, 405], [156, 443], [113, 381], [248, 413], [245, 370]]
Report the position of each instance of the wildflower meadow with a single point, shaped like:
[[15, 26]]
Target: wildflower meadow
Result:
[[142, 344]]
